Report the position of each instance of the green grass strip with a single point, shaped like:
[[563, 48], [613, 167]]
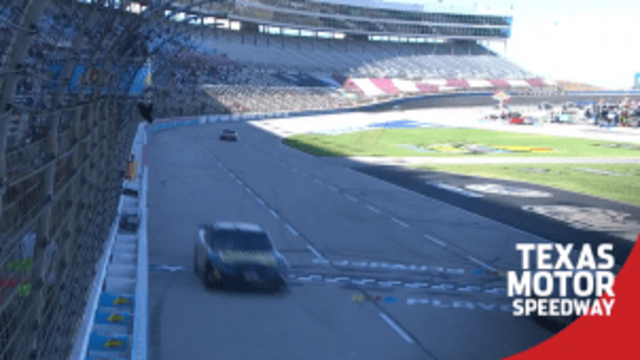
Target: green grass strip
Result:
[[389, 143], [621, 184]]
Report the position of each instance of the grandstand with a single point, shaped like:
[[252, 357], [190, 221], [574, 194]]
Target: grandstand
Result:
[[357, 53]]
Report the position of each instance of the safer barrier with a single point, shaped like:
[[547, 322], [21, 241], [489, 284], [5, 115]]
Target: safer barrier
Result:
[[141, 316]]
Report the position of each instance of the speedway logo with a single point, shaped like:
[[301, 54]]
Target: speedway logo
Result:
[[396, 124], [471, 149], [560, 286]]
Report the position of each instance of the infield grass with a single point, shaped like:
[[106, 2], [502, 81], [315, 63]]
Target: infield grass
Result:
[[580, 178], [386, 142]]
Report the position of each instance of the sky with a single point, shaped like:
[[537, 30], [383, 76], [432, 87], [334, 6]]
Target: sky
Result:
[[596, 42]]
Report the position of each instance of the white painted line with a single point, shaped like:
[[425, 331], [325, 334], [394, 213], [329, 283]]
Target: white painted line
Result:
[[294, 170], [373, 209], [305, 174], [233, 176], [291, 230], [333, 188], [436, 241], [315, 252], [274, 214], [317, 181], [399, 222], [239, 182], [396, 328], [481, 263], [248, 190], [351, 198], [417, 194], [362, 281], [259, 200]]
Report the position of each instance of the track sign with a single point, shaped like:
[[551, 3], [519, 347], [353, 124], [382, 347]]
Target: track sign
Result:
[[501, 96]]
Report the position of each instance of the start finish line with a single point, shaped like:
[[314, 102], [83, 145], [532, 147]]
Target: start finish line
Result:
[[166, 268], [387, 266]]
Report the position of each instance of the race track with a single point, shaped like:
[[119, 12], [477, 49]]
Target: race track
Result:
[[379, 272]]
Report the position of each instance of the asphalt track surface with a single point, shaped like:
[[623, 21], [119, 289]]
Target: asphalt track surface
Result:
[[460, 190], [378, 272]]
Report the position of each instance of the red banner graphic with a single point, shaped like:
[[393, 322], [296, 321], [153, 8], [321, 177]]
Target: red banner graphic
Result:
[[597, 337]]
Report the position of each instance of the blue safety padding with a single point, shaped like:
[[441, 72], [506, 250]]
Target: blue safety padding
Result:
[[113, 318], [115, 343], [116, 301]]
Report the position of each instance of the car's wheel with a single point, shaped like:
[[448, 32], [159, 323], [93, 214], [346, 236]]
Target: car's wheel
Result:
[[279, 285], [211, 277]]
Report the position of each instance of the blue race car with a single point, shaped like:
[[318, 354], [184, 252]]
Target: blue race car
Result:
[[238, 252]]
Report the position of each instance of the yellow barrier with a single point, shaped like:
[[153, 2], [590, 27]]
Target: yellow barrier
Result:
[[132, 170]]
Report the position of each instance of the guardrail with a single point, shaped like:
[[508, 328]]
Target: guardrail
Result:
[[141, 316]]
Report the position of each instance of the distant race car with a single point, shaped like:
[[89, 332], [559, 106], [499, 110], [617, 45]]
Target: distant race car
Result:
[[229, 252], [228, 134]]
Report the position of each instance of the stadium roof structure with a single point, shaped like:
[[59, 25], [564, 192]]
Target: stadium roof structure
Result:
[[353, 20]]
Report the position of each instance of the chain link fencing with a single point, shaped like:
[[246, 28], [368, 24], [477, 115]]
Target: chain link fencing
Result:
[[71, 75]]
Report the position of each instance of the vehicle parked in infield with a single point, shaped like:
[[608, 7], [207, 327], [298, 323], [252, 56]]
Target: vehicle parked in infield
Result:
[[229, 135], [227, 252], [516, 118], [516, 121], [545, 106]]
